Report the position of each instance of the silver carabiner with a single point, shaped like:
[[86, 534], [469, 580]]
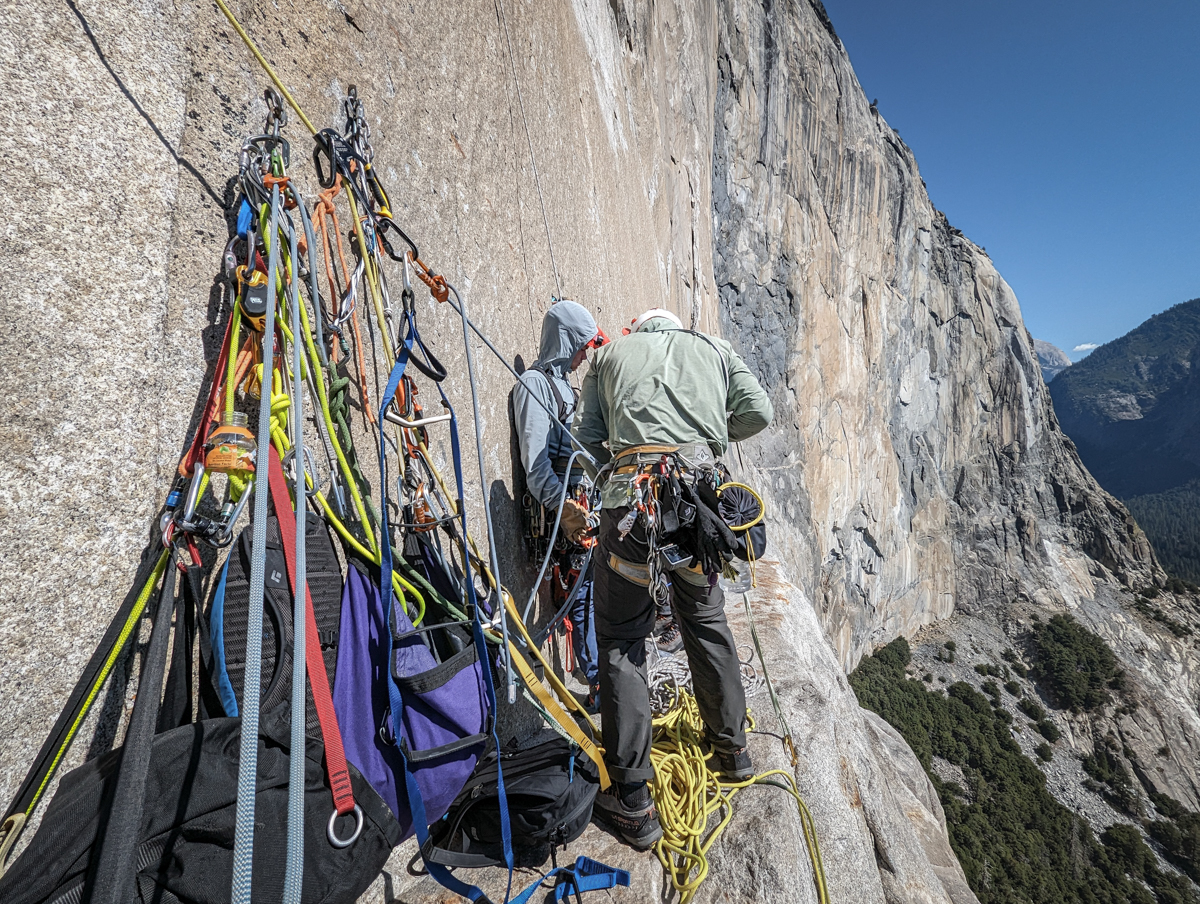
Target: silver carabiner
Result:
[[408, 271], [189, 507]]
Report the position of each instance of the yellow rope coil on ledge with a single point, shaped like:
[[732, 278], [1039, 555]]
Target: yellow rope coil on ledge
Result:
[[689, 793]]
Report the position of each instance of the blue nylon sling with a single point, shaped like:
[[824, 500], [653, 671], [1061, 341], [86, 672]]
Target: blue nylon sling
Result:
[[585, 874], [416, 803], [217, 639]]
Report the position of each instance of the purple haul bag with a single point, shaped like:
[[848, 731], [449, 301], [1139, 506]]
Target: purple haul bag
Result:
[[445, 723]]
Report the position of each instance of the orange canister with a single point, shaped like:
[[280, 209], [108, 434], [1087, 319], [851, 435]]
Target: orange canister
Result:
[[230, 447]]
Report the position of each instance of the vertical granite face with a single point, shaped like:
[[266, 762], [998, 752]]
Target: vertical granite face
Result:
[[915, 457], [916, 467], [530, 149]]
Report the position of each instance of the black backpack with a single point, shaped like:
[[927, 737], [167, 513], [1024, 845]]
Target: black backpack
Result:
[[184, 843], [153, 820], [550, 786], [228, 614]]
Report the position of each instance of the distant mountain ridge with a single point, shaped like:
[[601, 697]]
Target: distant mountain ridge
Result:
[[1132, 406], [1052, 359]]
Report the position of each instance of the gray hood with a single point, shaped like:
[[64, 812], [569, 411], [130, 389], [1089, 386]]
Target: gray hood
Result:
[[566, 328]]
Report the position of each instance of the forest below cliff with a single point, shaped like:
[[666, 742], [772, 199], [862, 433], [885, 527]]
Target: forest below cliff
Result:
[[1015, 841]]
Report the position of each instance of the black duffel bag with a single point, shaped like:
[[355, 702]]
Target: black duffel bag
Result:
[[185, 844], [550, 786]]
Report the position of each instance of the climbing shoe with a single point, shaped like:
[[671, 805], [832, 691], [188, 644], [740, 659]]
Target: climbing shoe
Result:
[[736, 766], [630, 812], [669, 640]]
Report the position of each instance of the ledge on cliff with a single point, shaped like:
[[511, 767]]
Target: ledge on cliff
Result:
[[881, 829]]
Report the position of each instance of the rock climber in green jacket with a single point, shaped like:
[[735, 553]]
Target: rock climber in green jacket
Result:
[[661, 388]]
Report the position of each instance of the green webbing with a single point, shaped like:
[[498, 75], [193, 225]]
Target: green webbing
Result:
[[419, 579], [339, 410]]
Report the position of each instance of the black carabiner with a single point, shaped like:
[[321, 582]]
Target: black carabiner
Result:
[[324, 144], [382, 224], [267, 143]]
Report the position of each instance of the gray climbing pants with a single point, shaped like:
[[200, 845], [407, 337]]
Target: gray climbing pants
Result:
[[625, 616]]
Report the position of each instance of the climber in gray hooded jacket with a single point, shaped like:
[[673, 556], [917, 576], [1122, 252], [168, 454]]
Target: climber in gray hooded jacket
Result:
[[568, 331]]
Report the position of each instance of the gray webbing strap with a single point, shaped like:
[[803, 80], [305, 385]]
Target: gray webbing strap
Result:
[[243, 836], [115, 883], [293, 882], [510, 677]]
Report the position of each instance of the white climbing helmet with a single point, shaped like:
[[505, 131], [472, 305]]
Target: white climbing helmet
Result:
[[652, 314]]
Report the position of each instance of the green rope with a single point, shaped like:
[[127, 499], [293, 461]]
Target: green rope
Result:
[[788, 743]]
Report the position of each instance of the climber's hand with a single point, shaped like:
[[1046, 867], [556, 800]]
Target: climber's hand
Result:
[[574, 522]]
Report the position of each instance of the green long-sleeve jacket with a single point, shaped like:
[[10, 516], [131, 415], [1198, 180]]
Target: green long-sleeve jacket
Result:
[[663, 385]]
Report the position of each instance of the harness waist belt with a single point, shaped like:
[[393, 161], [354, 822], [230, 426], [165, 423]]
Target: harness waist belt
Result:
[[630, 571], [646, 449], [695, 455]]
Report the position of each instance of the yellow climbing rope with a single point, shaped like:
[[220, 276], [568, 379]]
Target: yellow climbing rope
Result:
[[253, 48], [689, 793]]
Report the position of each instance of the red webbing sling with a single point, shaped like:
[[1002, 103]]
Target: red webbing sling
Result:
[[335, 754]]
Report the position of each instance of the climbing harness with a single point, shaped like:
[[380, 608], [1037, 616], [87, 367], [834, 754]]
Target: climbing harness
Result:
[[671, 492]]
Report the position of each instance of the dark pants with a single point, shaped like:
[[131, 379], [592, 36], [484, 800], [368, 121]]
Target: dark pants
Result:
[[624, 619]]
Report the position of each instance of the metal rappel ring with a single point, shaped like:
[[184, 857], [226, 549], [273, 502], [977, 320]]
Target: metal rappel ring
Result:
[[331, 833]]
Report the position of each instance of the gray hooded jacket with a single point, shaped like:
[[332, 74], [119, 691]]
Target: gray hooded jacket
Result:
[[544, 440]]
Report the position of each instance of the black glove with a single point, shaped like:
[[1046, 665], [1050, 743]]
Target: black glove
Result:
[[712, 542]]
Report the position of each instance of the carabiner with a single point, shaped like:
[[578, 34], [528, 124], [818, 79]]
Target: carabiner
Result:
[[324, 144], [383, 223]]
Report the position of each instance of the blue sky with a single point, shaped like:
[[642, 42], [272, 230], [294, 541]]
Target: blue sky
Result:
[[1062, 136]]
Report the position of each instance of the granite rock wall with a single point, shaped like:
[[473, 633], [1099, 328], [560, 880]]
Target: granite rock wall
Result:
[[915, 449]]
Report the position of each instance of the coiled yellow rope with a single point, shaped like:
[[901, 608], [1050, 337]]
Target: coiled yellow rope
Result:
[[689, 793]]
